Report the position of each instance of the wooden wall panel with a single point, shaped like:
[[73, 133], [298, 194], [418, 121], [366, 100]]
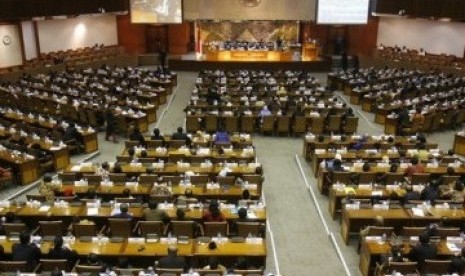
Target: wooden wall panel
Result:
[[362, 38], [179, 38], [157, 38], [131, 36]]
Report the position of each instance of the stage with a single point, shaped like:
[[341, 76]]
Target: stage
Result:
[[191, 62]]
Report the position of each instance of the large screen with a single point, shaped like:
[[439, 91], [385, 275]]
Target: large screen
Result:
[[342, 11], [156, 11]]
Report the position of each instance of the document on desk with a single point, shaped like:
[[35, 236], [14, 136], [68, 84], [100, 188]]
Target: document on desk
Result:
[[44, 208], [92, 211], [76, 168], [453, 247], [418, 212]]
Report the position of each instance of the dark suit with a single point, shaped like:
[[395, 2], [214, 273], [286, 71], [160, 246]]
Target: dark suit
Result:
[[63, 253], [422, 252], [26, 252], [173, 262], [181, 136]]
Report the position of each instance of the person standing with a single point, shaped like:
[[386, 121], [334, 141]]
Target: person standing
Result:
[[111, 122]]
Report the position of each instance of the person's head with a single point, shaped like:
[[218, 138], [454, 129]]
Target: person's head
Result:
[[92, 258], [458, 186], [143, 154], [131, 152], [213, 262], [450, 152], [462, 252], [24, 237], [153, 204], [213, 206], [124, 208], [246, 194], [242, 213], [366, 167], [415, 160], [241, 263], [136, 130], [117, 168], [36, 146], [123, 262], [393, 167], [172, 250], [180, 214], [47, 178], [71, 124], [337, 163], [390, 139], [450, 171], [156, 132], [188, 193], [424, 238], [105, 166], [126, 192], [58, 242], [10, 217], [179, 130]]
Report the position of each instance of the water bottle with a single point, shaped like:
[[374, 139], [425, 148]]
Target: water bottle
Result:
[[383, 238]]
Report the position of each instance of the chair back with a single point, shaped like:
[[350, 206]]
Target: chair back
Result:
[[403, 267], [51, 228], [248, 272], [391, 178], [84, 229], [210, 272], [246, 228], [40, 198], [436, 267], [88, 268], [93, 179], [128, 271], [68, 177], [231, 124], [283, 124], [120, 227], [192, 123], [247, 124], [447, 179], [153, 144], [148, 178], [420, 178], [177, 143], [334, 123], [131, 144], [14, 228], [151, 227], [118, 177], [380, 230], [212, 229], [226, 180], [52, 265], [444, 232], [183, 228], [13, 266], [300, 125], [367, 177], [351, 125], [341, 177], [199, 179], [268, 123], [408, 231], [211, 122], [169, 271]]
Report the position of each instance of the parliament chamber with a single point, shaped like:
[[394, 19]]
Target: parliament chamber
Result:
[[235, 137]]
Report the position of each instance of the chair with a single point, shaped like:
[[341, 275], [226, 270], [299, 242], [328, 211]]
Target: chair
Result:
[[118, 177], [317, 125], [231, 124], [334, 123], [81, 229], [211, 122], [150, 227], [40, 198], [226, 180], [247, 123], [403, 267], [199, 179], [51, 228], [128, 271], [169, 271], [212, 229], [131, 144], [283, 124], [447, 179], [249, 272], [68, 177], [12, 266], [93, 179], [120, 227], [192, 123], [436, 267], [408, 231], [183, 228], [210, 272], [246, 228], [153, 144], [444, 232], [94, 269], [299, 126], [52, 265], [351, 125], [392, 178], [177, 143], [420, 178], [125, 199], [367, 177], [14, 228], [145, 179], [268, 124], [341, 177]]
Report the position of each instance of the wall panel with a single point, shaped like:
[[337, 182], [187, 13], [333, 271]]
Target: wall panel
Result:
[[10, 54]]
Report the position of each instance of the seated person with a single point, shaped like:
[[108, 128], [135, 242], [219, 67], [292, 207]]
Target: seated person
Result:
[[71, 133], [61, 252], [180, 135], [47, 188], [214, 264], [136, 135], [94, 260], [416, 167], [123, 211], [26, 251], [152, 213], [431, 191], [222, 136], [5, 173], [187, 198], [423, 251], [454, 191], [157, 136], [213, 214], [173, 261], [458, 263]]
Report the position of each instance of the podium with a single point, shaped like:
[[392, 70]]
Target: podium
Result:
[[310, 51]]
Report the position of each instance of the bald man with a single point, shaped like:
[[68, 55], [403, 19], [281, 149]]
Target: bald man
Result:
[[173, 260]]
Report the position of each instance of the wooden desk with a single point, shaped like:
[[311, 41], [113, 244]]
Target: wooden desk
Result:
[[459, 144], [237, 55], [27, 170], [372, 251], [90, 142], [354, 220]]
